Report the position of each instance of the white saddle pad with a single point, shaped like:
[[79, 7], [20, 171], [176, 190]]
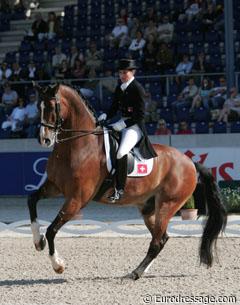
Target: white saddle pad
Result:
[[142, 167]]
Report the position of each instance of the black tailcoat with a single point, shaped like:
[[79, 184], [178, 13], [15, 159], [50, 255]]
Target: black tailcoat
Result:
[[130, 103]]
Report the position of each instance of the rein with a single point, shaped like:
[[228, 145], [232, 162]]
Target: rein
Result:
[[82, 133]]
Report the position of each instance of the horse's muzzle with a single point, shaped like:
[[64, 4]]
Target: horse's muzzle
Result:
[[47, 142], [46, 138]]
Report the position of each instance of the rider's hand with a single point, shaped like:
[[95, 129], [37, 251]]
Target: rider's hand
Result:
[[119, 125], [102, 117]]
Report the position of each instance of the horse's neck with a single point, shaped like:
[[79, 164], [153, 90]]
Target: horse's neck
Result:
[[86, 146], [81, 118]]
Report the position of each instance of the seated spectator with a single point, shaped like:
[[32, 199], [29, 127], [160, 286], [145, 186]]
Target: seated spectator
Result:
[[16, 72], [190, 91], [209, 17], [149, 54], [164, 58], [31, 116], [39, 28], [57, 59], [202, 98], [19, 9], [219, 21], [34, 4], [151, 29], [75, 54], [109, 82], [119, 36], [137, 45], [186, 97], [232, 104], [9, 99], [5, 72], [162, 128], [218, 94], [17, 76], [90, 85], [79, 69], [123, 14], [183, 128], [165, 30], [93, 57], [44, 70], [19, 6], [200, 65], [151, 108], [31, 71], [53, 25], [16, 119], [149, 15], [64, 71], [194, 8], [185, 66], [134, 27]]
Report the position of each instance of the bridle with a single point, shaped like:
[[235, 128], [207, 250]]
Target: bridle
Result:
[[57, 127], [59, 120]]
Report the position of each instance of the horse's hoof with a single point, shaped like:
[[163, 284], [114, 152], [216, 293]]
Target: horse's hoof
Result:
[[41, 244], [57, 263], [132, 276], [59, 270]]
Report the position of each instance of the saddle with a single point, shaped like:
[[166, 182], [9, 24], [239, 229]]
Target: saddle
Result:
[[137, 166]]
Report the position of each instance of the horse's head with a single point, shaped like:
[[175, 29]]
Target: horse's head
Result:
[[49, 106]]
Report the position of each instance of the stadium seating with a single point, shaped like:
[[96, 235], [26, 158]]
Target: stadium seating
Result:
[[235, 127], [202, 127], [151, 128], [219, 127], [92, 20]]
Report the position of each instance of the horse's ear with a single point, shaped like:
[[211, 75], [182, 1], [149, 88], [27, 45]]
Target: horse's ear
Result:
[[38, 88], [52, 89]]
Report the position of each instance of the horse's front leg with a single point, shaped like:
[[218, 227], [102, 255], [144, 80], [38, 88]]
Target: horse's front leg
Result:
[[48, 189], [68, 211]]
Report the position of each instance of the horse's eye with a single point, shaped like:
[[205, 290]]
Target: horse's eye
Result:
[[49, 106]]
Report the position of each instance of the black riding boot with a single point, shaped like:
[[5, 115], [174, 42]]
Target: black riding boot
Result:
[[121, 175]]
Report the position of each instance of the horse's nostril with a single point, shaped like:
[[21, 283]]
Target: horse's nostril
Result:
[[47, 141]]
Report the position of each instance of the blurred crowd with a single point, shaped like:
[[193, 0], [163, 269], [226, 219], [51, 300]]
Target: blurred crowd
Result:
[[152, 40]]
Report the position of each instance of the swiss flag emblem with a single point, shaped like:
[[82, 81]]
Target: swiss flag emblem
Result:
[[142, 168]]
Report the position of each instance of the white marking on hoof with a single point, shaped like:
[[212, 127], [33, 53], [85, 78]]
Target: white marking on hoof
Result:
[[35, 227], [148, 267], [57, 263]]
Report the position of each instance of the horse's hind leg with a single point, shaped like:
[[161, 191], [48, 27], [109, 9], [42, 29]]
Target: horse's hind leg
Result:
[[48, 189], [156, 220], [158, 239]]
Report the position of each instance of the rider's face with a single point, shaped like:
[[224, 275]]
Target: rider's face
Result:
[[125, 75]]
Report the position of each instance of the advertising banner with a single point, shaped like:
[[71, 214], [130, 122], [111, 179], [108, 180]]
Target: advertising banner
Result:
[[23, 172]]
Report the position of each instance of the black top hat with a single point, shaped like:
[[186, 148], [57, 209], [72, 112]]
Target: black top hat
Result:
[[127, 64]]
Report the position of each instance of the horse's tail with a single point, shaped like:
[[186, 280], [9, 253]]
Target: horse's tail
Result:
[[217, 215]]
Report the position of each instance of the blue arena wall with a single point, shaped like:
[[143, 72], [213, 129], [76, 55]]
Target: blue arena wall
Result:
[[23, 161]]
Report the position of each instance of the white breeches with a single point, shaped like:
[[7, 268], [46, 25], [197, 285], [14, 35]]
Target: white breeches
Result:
[[130, 137]]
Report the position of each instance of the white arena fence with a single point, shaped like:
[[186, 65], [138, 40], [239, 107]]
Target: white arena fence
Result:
[[134, 227]]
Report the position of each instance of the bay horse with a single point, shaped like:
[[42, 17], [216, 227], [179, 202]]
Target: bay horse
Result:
[[77, 168]]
